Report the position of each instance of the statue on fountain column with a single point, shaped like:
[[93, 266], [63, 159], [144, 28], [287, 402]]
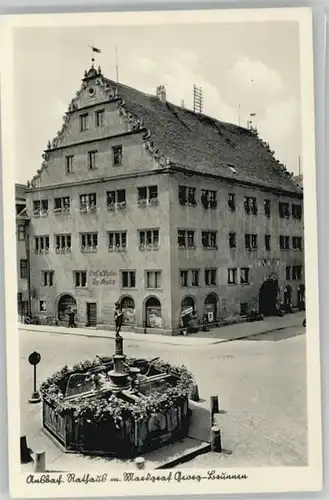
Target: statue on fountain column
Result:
[[118, 319]]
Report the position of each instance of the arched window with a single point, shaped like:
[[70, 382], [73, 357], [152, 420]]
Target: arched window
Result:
[[128, 308], [188, 303], [153, 313]]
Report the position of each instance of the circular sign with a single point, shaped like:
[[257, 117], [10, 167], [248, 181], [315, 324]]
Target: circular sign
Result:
[[34, 358]]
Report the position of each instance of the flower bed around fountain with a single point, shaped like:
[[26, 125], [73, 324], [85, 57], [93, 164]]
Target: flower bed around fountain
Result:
[[83, 414]]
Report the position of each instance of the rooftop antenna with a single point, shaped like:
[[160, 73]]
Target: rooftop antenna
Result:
[[182, 103], [117, 63], [239, 115], [197, 99], [299, 166]]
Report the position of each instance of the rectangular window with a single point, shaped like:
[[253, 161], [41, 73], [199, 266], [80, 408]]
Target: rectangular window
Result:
[[47, 278], [284, 212], [83, 122], [232, 240], [42, 306], [128, 279], [21, 232], [41, 244], [153, 279], [250, 241], [68, 164], [296, 211], [117, 155], [267, 208], [183, 277], [23, 268], [116, 199], [40, 208], [244, 275], [149, 239], [231, 276], [80, 278], [297, 242], [250, 205], [117, 240], [267, 242], [92, 160], [288, 273], [99, 117], [208, 198], [147, 194], [209, 239], [62, 204], [231, 201], [89, 242], [186, 238], [210, 277], [187, 195], [284, 242], [88, 202], [195, 277], [297, 273], [63, 243]]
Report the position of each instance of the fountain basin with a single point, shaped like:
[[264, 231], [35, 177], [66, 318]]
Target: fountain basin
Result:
[[91, 418]]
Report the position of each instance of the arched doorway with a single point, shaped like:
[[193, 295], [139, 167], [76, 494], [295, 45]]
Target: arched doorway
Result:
[[153, 313], [211, 308], [128, 308], [268, 298], [188, 317], [65, 304], [287, 299]]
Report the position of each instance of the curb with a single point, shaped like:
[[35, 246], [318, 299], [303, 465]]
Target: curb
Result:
[[185, 457], [206, 340], [255, 334]]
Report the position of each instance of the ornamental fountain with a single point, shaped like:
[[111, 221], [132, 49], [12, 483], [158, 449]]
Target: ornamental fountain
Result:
[[116, 406]]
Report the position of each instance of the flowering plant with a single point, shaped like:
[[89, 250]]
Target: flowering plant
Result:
[[104, 405]]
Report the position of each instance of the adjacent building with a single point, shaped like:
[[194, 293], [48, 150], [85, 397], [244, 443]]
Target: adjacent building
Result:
[[163, 209], [22, 240]]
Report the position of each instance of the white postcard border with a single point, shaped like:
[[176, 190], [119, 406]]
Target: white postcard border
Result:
[[259, 480]]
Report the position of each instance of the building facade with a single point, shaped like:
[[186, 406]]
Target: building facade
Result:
[[22, 239], [141, 201]]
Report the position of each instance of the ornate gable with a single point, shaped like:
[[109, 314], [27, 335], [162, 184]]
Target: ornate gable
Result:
[[96, 89]]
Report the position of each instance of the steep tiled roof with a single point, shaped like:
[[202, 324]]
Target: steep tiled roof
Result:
[[206, 145]]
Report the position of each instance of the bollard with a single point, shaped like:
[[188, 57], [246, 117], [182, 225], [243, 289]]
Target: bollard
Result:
[[40, 461], [195, 393], [140, 462], [216, 419], [216, 443], [214, 407], [25, 451]]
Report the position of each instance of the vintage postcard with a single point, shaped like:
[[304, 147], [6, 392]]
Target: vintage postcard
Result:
[[160, 235]]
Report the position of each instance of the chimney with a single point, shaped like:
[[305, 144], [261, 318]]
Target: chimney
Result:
[[161, 93]]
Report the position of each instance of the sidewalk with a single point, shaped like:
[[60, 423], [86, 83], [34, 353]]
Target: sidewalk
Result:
[[214, 336]]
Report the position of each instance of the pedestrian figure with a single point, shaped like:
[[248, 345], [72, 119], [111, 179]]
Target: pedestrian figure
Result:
[[118, 318], [71, 319]]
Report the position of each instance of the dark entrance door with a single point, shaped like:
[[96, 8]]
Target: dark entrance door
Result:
[[91, 313], [268, 296]]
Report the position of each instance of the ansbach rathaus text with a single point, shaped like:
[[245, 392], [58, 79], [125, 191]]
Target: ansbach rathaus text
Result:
[[158, 207]]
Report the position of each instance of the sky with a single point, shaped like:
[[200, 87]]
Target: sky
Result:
[[243, 68]]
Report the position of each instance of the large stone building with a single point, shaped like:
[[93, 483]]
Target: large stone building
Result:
[[151, 204]]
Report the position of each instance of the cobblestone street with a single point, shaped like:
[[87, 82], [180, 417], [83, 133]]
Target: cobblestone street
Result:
[[260, 382]]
